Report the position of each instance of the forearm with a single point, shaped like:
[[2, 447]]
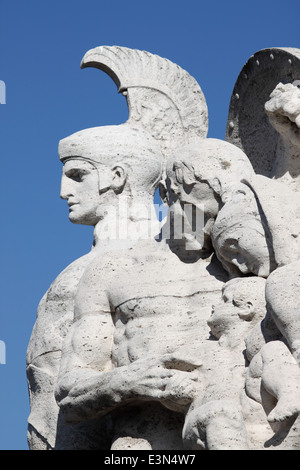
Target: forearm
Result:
[[85, 394]]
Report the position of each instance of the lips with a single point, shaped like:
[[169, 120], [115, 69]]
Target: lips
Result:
[[72, 204]]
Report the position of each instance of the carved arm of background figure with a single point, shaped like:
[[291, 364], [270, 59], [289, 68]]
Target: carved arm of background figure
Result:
[[283, 110]]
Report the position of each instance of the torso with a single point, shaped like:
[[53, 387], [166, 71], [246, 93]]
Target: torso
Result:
[[166, 308]]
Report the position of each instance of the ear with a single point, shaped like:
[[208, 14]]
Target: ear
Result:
[[162, 188], [248, 312], [215, 185], [118, 178], [186, 174]]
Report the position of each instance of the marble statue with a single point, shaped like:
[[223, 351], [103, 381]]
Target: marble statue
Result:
[[184, 334], [146, 374], [100, 192]]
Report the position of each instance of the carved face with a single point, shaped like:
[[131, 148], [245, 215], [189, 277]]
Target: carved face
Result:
[[234, 309], [244, 248], [80, 187], [198, 193], [196, 199]]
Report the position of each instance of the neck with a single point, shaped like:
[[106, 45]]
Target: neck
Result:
[[192, 242], [235, 336], [127, 222]]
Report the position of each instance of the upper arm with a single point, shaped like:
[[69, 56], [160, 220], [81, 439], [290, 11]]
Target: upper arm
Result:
[[90, 338]]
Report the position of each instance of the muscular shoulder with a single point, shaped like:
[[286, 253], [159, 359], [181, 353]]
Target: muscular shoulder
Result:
[[283, 285], [110, 262], [96, 282]]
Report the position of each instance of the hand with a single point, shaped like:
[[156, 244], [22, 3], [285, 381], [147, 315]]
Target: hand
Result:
[[193, 434], [170, 379], [183, 384], [283, 110], [182, 389]]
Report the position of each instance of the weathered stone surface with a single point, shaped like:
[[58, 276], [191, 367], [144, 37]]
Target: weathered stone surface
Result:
[[248, 124], [185, 334]]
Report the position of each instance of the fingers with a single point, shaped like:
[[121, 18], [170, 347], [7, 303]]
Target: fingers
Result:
[[285, 100], [157, 372], [159, 375]]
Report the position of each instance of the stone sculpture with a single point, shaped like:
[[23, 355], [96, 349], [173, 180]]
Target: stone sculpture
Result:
[[177, 336], [248, 125], [215, 419], [142, 363], [56, 310]]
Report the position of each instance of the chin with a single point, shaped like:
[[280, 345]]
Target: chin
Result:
[[263, 271], [83, 219], [74, 220], [77, 219]]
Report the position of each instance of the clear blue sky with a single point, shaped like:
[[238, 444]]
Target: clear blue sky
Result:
[[48, 97]]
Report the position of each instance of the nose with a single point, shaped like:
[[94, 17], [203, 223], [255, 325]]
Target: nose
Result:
[[65, 188]]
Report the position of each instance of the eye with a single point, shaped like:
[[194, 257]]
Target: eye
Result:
[[75, 175]]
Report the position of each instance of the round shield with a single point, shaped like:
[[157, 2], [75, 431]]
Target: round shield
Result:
[[248, 126]]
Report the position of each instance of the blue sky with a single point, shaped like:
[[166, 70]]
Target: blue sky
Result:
[[48, 97]]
